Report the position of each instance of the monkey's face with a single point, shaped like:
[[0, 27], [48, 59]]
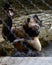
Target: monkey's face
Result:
[[32, 24], [11, 13]]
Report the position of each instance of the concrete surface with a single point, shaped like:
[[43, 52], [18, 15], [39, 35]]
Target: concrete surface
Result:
[[26, 61]]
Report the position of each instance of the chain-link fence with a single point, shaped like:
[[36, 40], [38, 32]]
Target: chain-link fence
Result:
[[29, 7]]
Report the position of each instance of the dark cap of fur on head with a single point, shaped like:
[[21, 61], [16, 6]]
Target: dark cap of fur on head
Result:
[[11, 9]]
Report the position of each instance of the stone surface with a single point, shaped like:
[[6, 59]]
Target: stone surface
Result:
[[26, 61]]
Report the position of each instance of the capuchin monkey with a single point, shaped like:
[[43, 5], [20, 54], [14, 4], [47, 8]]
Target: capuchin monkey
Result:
[[7, 25], [32, 28]]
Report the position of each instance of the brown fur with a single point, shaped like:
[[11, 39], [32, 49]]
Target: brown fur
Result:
[[20, 47], [19, 33]]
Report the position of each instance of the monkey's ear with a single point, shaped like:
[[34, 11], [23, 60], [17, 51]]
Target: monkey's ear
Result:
[[35, 16], [28, 20], [25, 26]]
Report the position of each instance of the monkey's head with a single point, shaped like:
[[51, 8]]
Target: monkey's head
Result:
[[33, 22]]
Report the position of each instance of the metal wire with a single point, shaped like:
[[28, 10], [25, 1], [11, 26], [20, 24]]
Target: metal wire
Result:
[[35, 6], [25, 8], [28, 11], [43, 1]]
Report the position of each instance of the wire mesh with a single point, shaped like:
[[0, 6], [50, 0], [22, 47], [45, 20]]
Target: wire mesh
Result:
[[26, 10]]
